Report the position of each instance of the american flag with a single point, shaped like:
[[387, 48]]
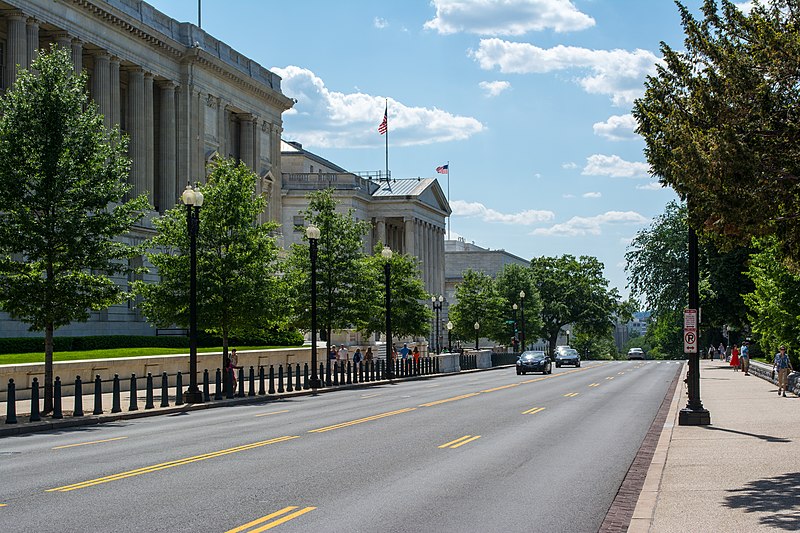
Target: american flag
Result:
[[384, 127], [444, 169]]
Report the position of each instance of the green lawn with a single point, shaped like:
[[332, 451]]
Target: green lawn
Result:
[[37, 357]]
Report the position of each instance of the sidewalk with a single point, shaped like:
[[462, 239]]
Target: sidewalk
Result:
[[740, 474]]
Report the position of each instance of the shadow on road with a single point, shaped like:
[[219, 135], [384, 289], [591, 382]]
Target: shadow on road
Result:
[[776, 495], [767, 438]]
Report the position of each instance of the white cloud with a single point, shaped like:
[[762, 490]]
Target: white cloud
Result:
[[477, 209], [745, 7], [568, 195], [506, 17], [494, 88], [571, 165], [617, 128], [582, 226], [380, 23], [652, 186], [617, 73], [615, 167], [592, 195], [329, 119]]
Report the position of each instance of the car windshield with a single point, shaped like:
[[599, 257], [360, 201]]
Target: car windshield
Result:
[[533, 355]]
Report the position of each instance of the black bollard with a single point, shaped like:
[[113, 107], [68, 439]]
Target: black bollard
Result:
[[252, 377], [336, 374], [78, 409], [164, 390], [289, 386], [57, 412], [98, 395], [179, 389], [218, 383], [271, 379], [206, 386], [321, 374], [115, 401], [328, 380], [35, 401], [297, 377], [240, 394], [148, 394], [133, 405], [280, 379], [349, 373], [261, 390], [342, 369], [361, 373], [306, 384], [11, 403]]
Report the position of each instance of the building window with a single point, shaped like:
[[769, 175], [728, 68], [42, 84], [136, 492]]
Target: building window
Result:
[[299, 223]]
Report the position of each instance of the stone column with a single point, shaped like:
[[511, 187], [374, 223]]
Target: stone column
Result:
[[439, 260], [246, 139], [63, 40], [149, 138], [380, 231], [101, 86], [168, 186], [408, 223], [32, 33], [16, 46], [116, 105], [426, 256], [77, 55], [137, 147]]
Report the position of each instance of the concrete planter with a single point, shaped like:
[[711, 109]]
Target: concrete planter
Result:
[[449, 363]]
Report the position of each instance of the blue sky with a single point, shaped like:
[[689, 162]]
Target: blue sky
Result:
[[528, 100]]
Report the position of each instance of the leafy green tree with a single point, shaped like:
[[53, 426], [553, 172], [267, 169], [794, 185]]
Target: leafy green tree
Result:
[[510, 281], [62, 188], [238, 292], [573, 291], [478, 301], [410, 314], [721, 122], [345, 284]]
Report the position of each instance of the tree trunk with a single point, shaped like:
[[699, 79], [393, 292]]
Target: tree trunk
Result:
[[552, 343], [225, 358], [48, 369]]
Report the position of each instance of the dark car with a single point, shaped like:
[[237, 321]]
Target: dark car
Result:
[[568, 357], [534, 361]]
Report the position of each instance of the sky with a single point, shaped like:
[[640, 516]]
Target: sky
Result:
[[528, 101]]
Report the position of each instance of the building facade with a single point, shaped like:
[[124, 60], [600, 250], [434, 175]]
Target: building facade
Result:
[[182, 96]]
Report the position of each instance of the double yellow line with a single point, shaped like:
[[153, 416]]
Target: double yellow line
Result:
[[460, 441], [533, 411], [274, 523], [169, 464], [362, 420], [453, 399]]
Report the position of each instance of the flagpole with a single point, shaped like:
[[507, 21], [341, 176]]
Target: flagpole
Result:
[[448, 198], [386, 113]]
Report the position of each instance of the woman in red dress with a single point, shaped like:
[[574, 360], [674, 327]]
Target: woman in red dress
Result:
[[735, 358]]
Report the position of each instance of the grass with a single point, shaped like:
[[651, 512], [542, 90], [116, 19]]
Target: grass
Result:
[[38, 357]]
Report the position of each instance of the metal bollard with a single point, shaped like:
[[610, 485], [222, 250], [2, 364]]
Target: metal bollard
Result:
[[328, 381], [133, 405], [11, 403], [218, 390], [179, 389], [252, 377], [336, 374], [98, 395], [148, 393], [57, 412], [280, 379], [289, 385], [261, 390], [271, 379], [164, 390], [78, 409], [321, 374], [342, 368], [306, 385], [115, 400], [35, 417], [361, 373], [206, 386], [240, 394], [297, 377]]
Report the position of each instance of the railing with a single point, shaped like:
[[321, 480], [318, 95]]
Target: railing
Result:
[[500, 359]]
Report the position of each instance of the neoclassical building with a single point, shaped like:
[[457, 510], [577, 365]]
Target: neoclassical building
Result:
[[408, 215], [181, 95]]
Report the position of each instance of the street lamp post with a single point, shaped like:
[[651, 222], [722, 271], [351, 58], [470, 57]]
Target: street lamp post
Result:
[[477, 327], [449, 337], [193, 198], [515, 335], [437, 308], [386, 253], [567, 337], [522, 316], [312, 232]]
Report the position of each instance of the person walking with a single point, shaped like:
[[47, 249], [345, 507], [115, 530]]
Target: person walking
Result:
[[783, 365], [368, 355], [735, 358], [711, 352], [721, 352], [233, 364], [744, 356], [357, 358]]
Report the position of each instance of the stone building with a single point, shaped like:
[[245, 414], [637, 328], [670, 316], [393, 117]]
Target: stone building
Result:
[[181, 95]]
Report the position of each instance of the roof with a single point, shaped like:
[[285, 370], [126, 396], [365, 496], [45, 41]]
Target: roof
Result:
[[403, 187]]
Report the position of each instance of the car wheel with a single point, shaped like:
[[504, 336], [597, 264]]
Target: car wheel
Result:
[[518, 372], [558, 365], [577, 365]]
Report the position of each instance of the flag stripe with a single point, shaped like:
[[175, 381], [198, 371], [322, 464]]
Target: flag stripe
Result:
[[384, 127], [444, 169]]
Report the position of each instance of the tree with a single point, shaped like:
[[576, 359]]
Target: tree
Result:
[[238, 292], [478, 301], [410, 314], [510, 281], [62, 188], [721, 122], [344, 282], [573, 291]]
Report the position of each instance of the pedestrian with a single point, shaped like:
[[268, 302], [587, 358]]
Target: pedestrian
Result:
[[357, 358], [332, 357], [735, 358], [368, 355], [342, 355], [233, 364], [721, 352], [744, 356], [783, 365], [416, 354], [404, 351], [711, 352]]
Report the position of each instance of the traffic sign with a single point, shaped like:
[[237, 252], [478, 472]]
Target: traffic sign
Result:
[[690, 319], [689, 341]]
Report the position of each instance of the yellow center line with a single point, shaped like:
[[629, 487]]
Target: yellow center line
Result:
[[459, 439], [169, 464], [273, 413], [535, 380], [87, 443], [262, 519], [533, 411], [370, 395], [501, 388], [620, 373], [594, 385], [3, 504], [362, 420], [610, 377], [270, 517], [463, 396], [463, 442], [284, 519], [571, 394]]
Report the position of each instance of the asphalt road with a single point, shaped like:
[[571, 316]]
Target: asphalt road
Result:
[[488, 451]]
